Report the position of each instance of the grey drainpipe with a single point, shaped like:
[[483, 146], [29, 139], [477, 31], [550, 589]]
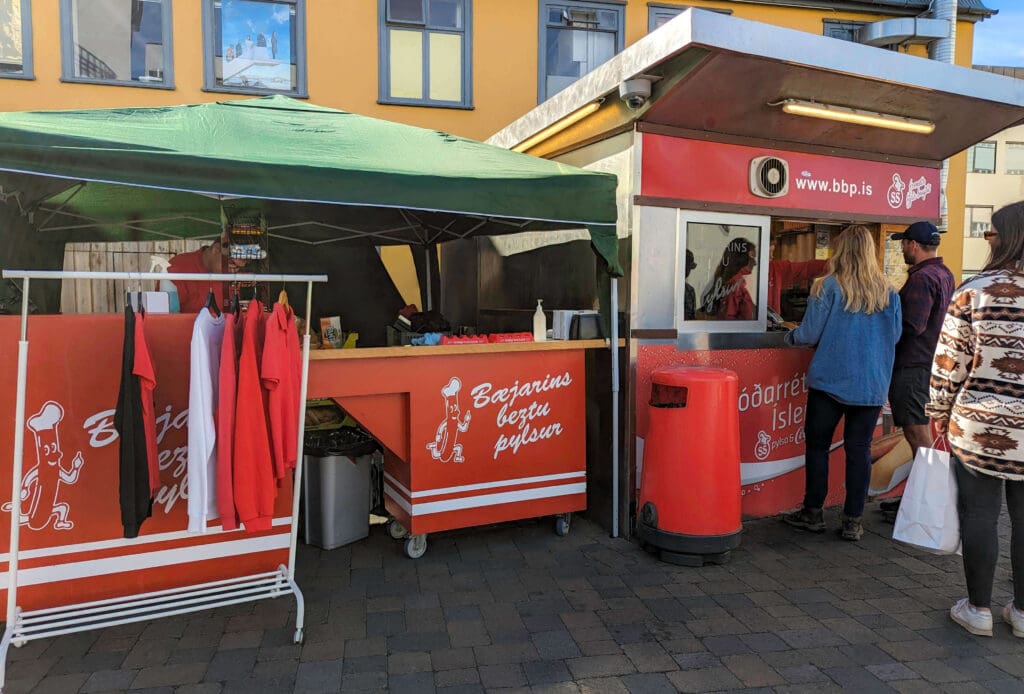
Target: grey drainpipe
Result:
[[944, 50]]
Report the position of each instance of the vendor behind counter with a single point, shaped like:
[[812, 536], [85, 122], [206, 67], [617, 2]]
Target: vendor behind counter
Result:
[[730, 292], [785, 274], [213, 258]]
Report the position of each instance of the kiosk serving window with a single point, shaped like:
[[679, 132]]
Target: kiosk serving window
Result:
[[723, 262]]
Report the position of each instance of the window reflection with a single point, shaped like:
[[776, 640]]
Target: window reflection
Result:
[[722, 270]]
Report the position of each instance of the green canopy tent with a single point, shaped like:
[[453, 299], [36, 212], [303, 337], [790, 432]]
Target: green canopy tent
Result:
[[320, 176]]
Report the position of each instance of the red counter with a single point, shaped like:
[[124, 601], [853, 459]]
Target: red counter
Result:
[[474, 434]]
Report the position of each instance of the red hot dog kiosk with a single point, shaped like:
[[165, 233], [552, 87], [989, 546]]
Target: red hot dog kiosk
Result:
[[719, 163]]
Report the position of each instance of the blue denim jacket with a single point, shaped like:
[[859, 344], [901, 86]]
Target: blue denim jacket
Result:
[[854, 351]]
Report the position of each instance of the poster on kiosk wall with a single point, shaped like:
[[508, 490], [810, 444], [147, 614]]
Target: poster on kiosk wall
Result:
[[72, 544]]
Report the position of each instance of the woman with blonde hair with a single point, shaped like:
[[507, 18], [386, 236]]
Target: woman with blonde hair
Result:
[[853, 322]]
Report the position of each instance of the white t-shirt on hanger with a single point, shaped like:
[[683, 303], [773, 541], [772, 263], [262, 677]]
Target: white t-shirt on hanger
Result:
[[207, 336]]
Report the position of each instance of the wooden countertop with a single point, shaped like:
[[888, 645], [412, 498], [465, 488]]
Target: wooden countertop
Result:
[[446, 350]]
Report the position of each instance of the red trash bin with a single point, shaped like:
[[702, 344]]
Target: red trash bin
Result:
[[690, 484]]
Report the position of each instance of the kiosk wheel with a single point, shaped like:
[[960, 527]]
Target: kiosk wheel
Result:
[[415, 546], [396, 530], [563, 522]]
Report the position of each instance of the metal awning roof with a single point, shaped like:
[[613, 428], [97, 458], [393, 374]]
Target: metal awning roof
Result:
[[719, 74], [968, 9]]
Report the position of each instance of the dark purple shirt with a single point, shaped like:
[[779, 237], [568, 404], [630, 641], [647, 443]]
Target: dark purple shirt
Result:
[[924, 299]]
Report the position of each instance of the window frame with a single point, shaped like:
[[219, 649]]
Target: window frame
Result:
[[1015, 146], [969, 220], [655, 9], [758, 324], [27, 72], [384, 58], [844, 24], [971, 158], [67, 57], [542, 26], [301, 90]]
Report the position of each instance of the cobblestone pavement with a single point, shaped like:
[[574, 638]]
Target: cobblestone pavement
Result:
[[515, 607]]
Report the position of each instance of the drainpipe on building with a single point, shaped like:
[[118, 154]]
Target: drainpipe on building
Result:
[[944, 50]]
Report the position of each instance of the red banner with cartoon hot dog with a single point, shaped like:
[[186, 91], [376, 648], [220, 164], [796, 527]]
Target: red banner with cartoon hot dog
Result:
[[472, 438], [772, 410], [72, 547]]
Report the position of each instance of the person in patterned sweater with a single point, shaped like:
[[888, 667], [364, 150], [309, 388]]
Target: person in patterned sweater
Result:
[[977, 401]]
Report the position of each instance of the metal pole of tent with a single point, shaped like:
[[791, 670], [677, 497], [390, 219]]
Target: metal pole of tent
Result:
[[615, 404], [17, 469], [430, 280]]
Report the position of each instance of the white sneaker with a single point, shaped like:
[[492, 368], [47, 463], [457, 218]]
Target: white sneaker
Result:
[[1015, 618], [973, 619]]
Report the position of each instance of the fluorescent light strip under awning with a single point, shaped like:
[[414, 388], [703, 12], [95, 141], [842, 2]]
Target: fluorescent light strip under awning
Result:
[[854, 116]]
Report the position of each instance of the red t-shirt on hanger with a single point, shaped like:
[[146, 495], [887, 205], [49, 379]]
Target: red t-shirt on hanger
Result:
[[143, 368], [254, 483], [282, 372]]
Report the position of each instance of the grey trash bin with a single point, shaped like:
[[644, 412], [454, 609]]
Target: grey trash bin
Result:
[[336, 490]]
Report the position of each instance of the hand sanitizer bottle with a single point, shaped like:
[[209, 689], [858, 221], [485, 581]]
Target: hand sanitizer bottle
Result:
[[540, 324]]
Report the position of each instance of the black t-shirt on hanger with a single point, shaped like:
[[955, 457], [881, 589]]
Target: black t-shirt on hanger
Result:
[[133, 484]]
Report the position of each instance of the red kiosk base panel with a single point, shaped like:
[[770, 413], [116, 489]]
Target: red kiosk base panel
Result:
[[471, 438]]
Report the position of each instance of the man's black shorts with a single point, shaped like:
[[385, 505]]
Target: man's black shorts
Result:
[[908, 394]]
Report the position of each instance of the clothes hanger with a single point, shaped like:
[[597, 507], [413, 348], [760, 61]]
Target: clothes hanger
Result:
[[234, 301], [211, 304], [282, 298]]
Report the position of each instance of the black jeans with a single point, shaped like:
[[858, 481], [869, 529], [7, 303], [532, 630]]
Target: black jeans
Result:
[[823, 415], [979, 504]]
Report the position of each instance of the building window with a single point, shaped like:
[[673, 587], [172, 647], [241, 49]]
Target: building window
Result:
[[844, 31], [977, 220], [425, 53], [981, 158], [117, 42], [16, 38], [575, 38], [658, 15], [1015, 158], [255, 46]]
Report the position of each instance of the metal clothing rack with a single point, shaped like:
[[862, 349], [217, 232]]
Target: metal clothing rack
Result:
[[23, 626]]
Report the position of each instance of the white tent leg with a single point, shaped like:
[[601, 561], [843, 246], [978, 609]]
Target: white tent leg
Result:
[[615, 403]]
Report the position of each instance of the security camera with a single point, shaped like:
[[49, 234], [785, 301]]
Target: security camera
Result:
[[635, 92]]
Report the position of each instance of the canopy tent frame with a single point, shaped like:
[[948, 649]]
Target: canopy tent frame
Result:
[[386, 236]]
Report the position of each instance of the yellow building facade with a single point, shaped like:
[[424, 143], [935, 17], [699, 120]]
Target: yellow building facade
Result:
[[468, 67]]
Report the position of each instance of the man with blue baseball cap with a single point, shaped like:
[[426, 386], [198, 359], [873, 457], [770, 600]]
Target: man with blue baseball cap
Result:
[[924, 299]]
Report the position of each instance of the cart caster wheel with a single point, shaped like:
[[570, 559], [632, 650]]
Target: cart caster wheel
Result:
[[415, 546], [299, 637], [562, 524], [396, 530]]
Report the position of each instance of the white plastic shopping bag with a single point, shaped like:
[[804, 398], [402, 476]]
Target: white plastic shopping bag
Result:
[[927, 518]]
